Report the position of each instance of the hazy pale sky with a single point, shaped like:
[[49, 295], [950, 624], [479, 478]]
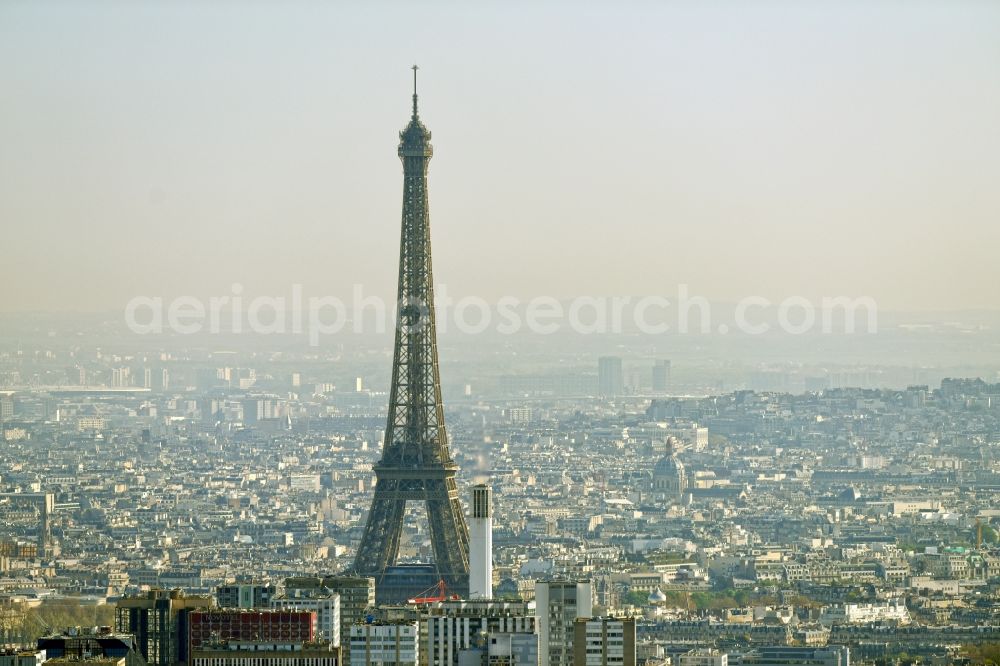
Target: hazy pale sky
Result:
[[743, 148]]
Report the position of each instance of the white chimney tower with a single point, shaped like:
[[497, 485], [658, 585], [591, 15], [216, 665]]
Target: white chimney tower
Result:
[[481, 543]]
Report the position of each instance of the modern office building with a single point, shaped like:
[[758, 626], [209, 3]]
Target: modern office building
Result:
[[245, 595], [385, 643], [210, 628], [159, 621], [449, 627]]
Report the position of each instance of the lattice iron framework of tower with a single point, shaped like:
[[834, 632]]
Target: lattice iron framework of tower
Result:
[[416, 464]]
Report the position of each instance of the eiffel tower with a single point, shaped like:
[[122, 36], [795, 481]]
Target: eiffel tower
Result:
[[415, 464]]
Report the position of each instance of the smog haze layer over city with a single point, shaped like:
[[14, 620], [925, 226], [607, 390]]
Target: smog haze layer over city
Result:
[[705, 369]]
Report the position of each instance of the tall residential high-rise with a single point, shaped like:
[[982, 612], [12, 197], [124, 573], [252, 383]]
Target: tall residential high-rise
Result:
[[160, 380], [604, 641], [661, 376], [416, 464], [481, 543], [357, 595], [610, 378], [259, 408], [121, 377], [558, 604], [209, 410]]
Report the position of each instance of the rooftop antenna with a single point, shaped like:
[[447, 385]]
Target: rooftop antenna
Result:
[[414, 68]]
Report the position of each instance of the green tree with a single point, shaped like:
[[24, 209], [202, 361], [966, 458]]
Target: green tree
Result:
[[58, 615]]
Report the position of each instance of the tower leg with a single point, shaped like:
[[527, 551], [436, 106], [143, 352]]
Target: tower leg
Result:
[[380, 543], [449, 534]]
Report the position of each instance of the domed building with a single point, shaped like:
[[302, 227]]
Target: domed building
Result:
[[669, 479]]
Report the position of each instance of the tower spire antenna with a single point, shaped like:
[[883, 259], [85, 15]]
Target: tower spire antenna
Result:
[[414, 68]]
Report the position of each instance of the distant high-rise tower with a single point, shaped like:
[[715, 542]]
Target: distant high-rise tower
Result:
[[610, 379], [252, 411], [416, 464], [121, 377], [661, 376], [6, 407], [481, 544]]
